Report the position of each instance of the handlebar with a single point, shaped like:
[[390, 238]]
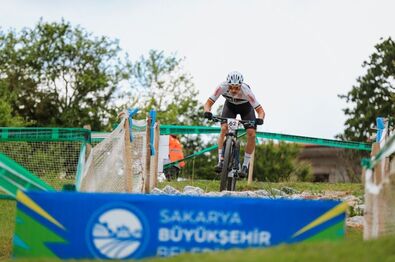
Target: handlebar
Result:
[[224, 119]]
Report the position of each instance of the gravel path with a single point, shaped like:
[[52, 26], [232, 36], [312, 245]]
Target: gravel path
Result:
[[354, 217]]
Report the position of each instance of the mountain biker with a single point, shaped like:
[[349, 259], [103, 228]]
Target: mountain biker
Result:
[[239, 99]]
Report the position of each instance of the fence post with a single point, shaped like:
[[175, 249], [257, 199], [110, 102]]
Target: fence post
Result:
[[156, 157], [147, 158], [128, 158], [88, 145]]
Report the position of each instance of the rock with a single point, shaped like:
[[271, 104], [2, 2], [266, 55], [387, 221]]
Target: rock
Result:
[[252, 194], [276, 192], [262, 193], [213, 194], [351, 200], [225, 193], [289, 190], [157, 191], [240, 193], [355, 221], [193, 191], [296, 196], [170, 190]]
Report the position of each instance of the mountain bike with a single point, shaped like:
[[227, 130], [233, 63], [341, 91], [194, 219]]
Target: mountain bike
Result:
[[230, 152]]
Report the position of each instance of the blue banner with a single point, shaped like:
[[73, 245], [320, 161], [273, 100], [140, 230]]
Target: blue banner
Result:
[[71, 225]]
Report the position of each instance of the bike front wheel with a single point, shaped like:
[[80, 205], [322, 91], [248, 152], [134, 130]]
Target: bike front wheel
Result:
[[227, 164], [231, 183]]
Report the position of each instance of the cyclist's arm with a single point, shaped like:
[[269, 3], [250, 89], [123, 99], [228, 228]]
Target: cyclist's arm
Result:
[[208, 105], [261, 113], [211, 100]]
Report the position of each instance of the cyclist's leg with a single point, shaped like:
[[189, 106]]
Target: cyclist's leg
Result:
[[251, 134], [224, 130], [247, 112]]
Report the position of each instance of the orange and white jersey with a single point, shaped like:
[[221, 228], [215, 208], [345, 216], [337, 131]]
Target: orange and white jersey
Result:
[[243, 96]]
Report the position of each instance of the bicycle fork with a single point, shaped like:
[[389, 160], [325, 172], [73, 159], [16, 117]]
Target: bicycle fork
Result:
[[235, 159]]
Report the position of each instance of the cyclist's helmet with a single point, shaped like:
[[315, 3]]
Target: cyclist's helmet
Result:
[[234, 78]]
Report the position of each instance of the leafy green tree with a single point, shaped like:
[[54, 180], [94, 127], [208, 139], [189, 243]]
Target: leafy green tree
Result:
[[6, 117], [162, 84], [277, 162], [60, 75], [373, 95]]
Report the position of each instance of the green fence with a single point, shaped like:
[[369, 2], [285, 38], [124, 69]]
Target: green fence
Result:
[[181, 130], [57, 155], [54, 155]]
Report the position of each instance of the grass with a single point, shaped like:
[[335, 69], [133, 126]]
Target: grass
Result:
[[7, 225], [352, 248], [346, 250]]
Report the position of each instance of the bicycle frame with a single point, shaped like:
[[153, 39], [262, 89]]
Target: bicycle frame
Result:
[[230, 153]]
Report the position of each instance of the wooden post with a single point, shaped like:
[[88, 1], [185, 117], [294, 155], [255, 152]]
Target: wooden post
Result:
[[147, 157], [375, 205], [251, 168], [367, 214], [370, 213], [380, 207], [156, 157], [128, 158], [88, 145], [377, 175]]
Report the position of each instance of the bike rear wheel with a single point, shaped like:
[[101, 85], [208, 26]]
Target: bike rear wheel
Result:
[[227, 164]]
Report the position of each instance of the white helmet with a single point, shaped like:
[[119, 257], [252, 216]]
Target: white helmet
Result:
[[234, 78]]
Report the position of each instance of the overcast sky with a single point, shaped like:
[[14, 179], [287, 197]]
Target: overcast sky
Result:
[[297, 55]]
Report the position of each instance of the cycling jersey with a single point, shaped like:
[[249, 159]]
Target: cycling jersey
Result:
[[243, 96]]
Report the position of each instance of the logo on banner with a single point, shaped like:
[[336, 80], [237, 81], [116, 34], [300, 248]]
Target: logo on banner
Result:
[[117, 232]]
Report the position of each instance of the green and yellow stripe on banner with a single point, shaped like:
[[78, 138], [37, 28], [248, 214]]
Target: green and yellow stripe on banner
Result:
[[27, 201], [334, 212]]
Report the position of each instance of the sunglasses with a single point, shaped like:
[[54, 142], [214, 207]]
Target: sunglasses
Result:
[[234, 86]]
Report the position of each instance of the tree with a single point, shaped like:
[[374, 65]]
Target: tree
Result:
[[277, 162], [6, 117], [60, 75], [373, 96], [163, 85]]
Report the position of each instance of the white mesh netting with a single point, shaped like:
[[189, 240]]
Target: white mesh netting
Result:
[[107, 168], [54, 162]]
